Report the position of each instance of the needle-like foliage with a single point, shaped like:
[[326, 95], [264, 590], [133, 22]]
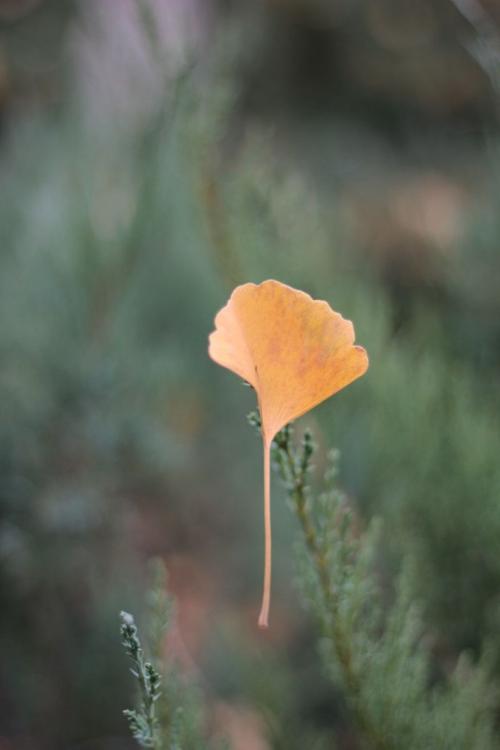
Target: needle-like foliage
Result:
[[167, 715], [379, 656], [381, 661], [373, 645]]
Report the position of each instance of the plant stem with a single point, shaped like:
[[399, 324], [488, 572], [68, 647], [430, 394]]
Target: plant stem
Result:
[[143, 722], [294, 475], [266, 594]]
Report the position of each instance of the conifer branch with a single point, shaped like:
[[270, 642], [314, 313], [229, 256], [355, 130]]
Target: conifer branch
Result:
[[293, 467], [142, 722], [379, 656]]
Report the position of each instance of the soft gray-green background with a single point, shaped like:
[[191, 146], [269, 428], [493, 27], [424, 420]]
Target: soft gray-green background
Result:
[[152, 156]]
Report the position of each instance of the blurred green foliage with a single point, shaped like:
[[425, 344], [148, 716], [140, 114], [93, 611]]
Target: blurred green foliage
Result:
[[140, 180]]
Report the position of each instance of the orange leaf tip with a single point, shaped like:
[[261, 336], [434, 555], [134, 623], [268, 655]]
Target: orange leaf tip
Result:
[[295, 351]]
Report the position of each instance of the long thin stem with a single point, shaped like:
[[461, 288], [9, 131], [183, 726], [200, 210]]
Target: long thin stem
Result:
[[266, 593], [293, 473]]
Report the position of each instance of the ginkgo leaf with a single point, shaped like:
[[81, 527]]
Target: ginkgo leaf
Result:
[[295, 351]]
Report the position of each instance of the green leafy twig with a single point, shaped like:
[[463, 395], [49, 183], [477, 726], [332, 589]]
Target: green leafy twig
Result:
[[169, 715], [142, 722], [293, 466], [380, 657]]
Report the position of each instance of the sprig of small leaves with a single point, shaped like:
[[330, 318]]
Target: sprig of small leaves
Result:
[[169, 714], [379, 657], [334, 576], [143, 722], [331, 551]]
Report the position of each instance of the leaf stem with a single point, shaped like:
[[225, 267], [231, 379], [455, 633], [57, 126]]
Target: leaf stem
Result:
[[266, 593]]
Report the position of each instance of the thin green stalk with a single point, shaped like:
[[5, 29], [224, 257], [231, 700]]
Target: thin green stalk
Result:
[[293, 469], [143, 723]]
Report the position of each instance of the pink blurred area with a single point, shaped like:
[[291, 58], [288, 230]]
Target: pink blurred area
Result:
[[129, 52]]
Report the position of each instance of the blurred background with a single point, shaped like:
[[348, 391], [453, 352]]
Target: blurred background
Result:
[[154, 154]]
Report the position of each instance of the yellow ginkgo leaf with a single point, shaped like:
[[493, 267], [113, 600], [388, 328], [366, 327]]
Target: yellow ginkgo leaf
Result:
[[295, 352]]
